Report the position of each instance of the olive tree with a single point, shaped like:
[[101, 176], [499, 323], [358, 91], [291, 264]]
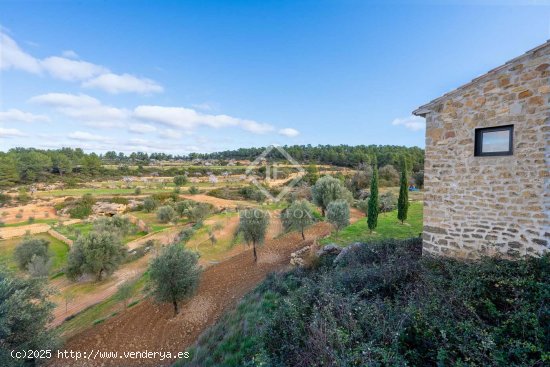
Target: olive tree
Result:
[[387, 202], [338, 214], [253, 225], [183, 207], [39, 266], [298, 216], [199, 212], [125, 291], [166, 214], [119, 223], [174, 275], [149, 204], [97, 253], [326, 190], [25, 310], [180, 180], [29, 248]]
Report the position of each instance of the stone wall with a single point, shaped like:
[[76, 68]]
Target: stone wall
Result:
[[490, 205]]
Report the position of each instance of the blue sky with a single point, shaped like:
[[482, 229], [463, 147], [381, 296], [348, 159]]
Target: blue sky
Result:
[[181, 76]]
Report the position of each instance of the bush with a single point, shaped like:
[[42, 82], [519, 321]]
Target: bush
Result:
[[199, 212], [252, 193], [193, 190], [119, 200], [166, 214], [137, 191], [26, 312], [387, 202], [4, 199], [382, 304], [174, 275], [338, 214], [117, 224], [83, 207], [149, 204], [98, 253], [28, 248], [180, 180], [39, 266]]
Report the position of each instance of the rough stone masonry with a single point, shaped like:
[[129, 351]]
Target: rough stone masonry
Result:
[[489, 205]]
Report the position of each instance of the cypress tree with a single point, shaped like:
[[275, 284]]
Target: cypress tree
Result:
[[403, 201], [373, 205]]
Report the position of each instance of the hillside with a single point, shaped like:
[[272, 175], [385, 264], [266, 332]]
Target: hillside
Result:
[[383, 305]]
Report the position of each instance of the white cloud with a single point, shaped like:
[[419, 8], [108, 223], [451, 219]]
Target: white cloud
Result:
[[141, 128], [10, 133], [12, 57], [83, 107], [115, 84], [86, 136], [290, 132], [170, 134], [414, 123], [14, 115], [188, 119], [69, 68], [203, 106], [72, 70], [70, 54]]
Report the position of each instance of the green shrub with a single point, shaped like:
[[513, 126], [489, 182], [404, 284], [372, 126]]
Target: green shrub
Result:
[[382, 304], [82, 208], [4, 199], [28, 248], [166, 214], [119, 200], [149, 204]]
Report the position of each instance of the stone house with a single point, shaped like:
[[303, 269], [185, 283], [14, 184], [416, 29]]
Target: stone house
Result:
[[487, 170]]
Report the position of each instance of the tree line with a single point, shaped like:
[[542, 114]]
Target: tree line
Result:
[[28, 165]]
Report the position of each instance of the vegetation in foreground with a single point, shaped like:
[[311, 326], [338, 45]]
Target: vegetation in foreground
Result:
[[382, 304]]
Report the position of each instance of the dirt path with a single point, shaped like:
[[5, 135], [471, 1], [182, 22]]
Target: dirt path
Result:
[[35, 210], [102, 290], [110, 285], [152, 327], [217, 202], [10, 232], [164, 237]]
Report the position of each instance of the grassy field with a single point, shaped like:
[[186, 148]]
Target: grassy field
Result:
[[388, 227], [58, 249], [74, 230], [99, 191], [101, 311], [26, 222], [201, 243], [151, 220]]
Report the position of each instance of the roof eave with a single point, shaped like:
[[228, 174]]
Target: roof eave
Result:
[[421, 111]]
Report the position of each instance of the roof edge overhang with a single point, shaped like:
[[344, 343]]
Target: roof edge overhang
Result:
[[425, 109]]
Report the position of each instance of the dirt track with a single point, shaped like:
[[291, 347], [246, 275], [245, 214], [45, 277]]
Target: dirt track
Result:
[[152, 327]]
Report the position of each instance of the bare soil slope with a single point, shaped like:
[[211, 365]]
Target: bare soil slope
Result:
[[152, 327]]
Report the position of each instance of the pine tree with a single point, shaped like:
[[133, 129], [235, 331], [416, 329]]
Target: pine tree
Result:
[[403, 201], [373, 205]]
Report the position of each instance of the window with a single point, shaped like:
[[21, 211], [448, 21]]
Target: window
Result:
[[494, 141]]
